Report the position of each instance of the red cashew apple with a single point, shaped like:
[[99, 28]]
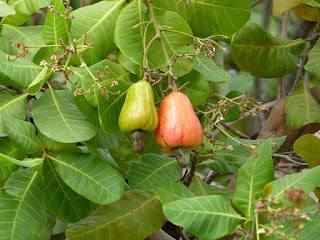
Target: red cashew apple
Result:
[[179, 129]]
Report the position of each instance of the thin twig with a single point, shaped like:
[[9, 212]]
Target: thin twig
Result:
[[256, 3], [240, 134], [283, 35], [288, 158], [211, 176], [216, 132]]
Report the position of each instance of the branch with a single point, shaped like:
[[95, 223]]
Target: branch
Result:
[[192, 172], [240, 134], [283, 35], [256, 3]]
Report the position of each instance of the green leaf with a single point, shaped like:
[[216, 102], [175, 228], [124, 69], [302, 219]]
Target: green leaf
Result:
[[22, 134], [60, 120], [256, 51], [210, 70], [90, 177], [104, 140], [6, 46], [153, 170], [30, 36], [197, 89], [98, 22], [200, 188], [172, 192], [15, 20], [210, 17], [206, 217], [312, 66], [60, 199], [104, 155], [129, 31], [174, 43], [6, 10], [46, 231], [280, 6], [55, 26], [28, 6], [129, 65], [135, 216], [7, 148], [252, 177], [109, 109], [116, 72], [39, 81], [235, 157], [307, 181], [35, 163], [233, 112], [21, 71], [13, 107], [308, 147], [301, 108], [125, 155], [90, 112], [22, 210], [310, 231]]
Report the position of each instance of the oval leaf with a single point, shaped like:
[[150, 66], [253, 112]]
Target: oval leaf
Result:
[[153, 170], [129, 31], [22, 134], [172, 192], [98, 22], [206, 217], [135, 216], [13, 107], [301, 108], [208, 17], [256, 51], [22, 210], [21, 71], [60, 120], [308, 147], [90, 177], [55, 26], [174, 43], [210, 70], [60, 199], [252, 177]]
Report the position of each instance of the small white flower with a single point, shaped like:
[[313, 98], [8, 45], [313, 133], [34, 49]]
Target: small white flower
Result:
[[53, 57], [219, 119], [54, 68], [43, 63], [51, 8], [114, 83], [261, 230]]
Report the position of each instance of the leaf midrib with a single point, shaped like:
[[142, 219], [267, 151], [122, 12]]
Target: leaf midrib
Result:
[[120, 217], [158, 169], [22, 201], [104, 17], [84, 174], [60, 113], [10, 102]]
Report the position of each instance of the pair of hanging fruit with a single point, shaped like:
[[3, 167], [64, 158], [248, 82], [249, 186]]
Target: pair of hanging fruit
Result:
[[178, 128]]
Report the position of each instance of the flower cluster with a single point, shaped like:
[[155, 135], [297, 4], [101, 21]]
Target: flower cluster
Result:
[[281, 215]]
